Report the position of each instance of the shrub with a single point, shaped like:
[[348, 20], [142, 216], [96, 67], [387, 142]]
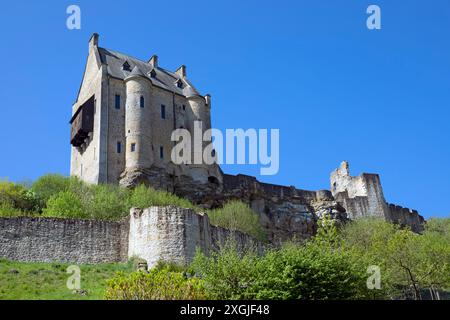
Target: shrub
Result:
[[311, 271], [228, 273], [105, 201], [7, 211], [158, 284], [144, 197], [15, 196], [236, 215], [65, 204], [49, 185]]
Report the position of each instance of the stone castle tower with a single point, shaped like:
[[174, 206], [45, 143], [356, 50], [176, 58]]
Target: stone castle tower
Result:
[[123, 118]]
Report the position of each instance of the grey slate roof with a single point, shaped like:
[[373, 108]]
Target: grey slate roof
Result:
[[164, 78]]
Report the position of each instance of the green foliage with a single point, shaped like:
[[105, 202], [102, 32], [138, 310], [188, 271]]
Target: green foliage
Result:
[[65, 204], [144, 197], [15, 198], [228, 273], [105, 201], [158, 284], [408, 262], [319, 269], [49, 185], [47, 281], [7, 211], [236, 215]]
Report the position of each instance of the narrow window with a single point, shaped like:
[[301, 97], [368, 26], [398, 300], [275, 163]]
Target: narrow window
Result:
[[142, 102], [161, 152], [184, 107], [117, 103], [133, 147], [119, 147], [163, 111]]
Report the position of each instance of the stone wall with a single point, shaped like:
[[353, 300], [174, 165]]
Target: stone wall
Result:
[[174, 234], [157, 233], [63, 240]]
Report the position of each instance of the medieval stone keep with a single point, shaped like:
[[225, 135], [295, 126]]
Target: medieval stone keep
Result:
[[125, 113], [121, 126]]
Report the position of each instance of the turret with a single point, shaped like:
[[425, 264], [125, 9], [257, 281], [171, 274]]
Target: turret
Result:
[[137, 121]]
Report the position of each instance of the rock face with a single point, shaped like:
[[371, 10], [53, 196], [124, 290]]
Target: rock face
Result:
[[286, 213]]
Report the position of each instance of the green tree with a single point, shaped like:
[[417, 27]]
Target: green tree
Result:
[[65, 204], [49, 185], [238, 216]]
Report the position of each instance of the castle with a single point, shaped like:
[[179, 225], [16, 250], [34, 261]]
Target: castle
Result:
[[122, 120], [121, 128]]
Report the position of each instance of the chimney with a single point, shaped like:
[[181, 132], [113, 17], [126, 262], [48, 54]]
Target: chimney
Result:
[[181, 71], [208, 100], [93, 41], [154, 61]]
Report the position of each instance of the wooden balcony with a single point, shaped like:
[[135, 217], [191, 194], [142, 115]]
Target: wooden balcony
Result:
[[82, 123]]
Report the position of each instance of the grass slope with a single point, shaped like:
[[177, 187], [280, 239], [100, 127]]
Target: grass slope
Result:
[[47, 281]]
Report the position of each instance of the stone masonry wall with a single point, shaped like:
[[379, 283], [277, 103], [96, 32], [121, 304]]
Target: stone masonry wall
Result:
[[174, 234], [157, 233], [63, 240]]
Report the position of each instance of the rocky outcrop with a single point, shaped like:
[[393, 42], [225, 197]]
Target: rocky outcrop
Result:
[[286, 213]]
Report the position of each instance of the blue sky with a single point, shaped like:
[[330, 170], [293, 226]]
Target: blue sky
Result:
[[336, 90]]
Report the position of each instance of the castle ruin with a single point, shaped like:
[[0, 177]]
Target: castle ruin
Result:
[[125, 113]]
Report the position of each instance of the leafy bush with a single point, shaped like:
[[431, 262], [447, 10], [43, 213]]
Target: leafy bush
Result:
[[320, 269], [158, 284], [105, 201], [65, 204], [7, 211], [144, 197], [236, 215], [49, 185], [15, 197]]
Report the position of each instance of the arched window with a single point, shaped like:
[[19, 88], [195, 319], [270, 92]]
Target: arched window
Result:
[[142, 102]]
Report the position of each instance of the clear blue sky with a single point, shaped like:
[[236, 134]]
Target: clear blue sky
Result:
[[379, 99]]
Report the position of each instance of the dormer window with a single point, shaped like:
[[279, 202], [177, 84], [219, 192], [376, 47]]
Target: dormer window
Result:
[[179, 83], [153, 73], [126, 66]]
